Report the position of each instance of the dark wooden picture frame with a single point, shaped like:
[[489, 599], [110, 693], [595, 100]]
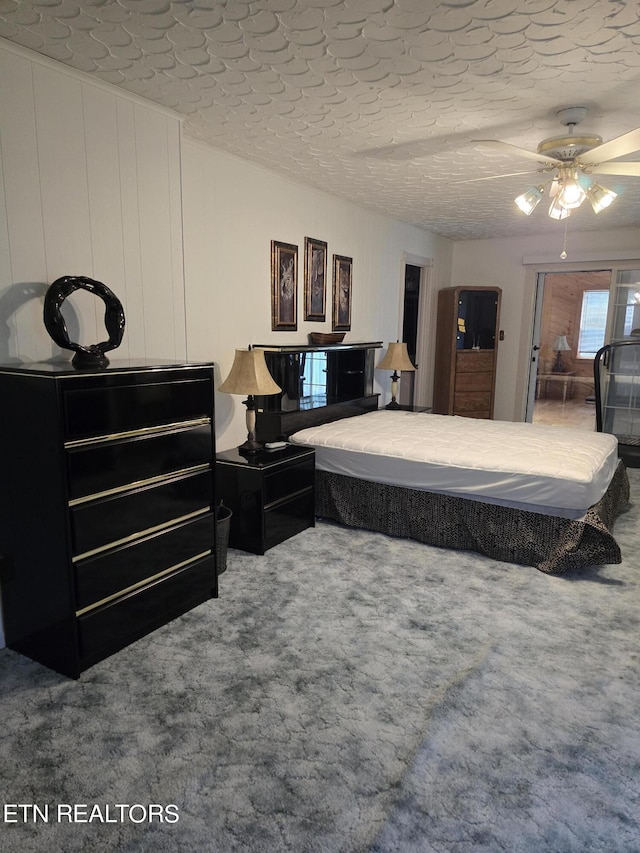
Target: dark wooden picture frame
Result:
[[342, 282], [315, 279], [284, 286]]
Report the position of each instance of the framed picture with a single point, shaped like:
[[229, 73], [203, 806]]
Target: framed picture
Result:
[[315, 274], [284, 286], [342, 270]]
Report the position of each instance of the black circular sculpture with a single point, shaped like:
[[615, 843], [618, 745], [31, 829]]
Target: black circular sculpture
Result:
[[94, 354]]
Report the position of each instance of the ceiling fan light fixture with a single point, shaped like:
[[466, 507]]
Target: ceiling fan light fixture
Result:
[[528, 201], [600, 197]]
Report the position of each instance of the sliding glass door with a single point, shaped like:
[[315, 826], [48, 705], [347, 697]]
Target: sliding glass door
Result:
[[588, 305], [624, 306]]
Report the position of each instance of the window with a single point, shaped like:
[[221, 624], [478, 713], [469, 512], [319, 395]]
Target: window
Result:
[[593, 321]]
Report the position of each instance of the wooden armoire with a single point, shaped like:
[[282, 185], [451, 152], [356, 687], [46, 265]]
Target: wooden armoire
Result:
[[466, 350]]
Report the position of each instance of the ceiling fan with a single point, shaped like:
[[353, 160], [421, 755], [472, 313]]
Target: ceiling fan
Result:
[[570, 160]]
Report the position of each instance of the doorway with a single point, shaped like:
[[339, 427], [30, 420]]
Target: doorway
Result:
[[410, 315], [570, 327], [416, 321]]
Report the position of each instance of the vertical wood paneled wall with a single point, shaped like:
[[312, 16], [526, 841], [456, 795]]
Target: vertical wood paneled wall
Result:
[[90, 185], [561, 316]]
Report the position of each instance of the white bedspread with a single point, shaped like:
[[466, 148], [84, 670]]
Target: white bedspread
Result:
[[555, 470]]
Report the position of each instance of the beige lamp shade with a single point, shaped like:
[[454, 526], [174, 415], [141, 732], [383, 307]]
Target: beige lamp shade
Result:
[[396, 358], [249, 374]]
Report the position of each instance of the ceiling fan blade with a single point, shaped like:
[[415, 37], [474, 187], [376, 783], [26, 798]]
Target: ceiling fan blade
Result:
[[618, 147], [494, 177], [520, 152], [616, 169]]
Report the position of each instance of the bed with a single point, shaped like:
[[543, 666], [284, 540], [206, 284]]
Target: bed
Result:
[[530, 494]]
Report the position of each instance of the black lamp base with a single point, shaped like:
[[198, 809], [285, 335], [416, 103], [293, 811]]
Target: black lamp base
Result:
[[250, 447]]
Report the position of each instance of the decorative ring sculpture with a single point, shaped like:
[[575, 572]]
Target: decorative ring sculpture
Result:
[[92, 355]]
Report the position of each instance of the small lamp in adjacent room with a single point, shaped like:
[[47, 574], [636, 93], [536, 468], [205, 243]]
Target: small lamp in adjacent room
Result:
[[396, 359], [250, 375], [560, 345]]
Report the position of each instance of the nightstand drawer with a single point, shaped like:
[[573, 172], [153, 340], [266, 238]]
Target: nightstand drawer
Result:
[[110, 628], [95, 468], [288, 518], [110, 520], [111, 572], [284, 482], [92, 412]]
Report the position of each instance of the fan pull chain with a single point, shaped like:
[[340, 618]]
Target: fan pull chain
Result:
[[563, 253]]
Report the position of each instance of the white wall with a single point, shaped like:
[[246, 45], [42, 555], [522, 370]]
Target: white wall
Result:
[[232, 211], [500, 262], [95, 183], [89, 186]]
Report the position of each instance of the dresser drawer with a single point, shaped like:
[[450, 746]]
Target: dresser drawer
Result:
[[474, 360], [113, 626], [109, 520], [90, 412], [97, 468], [111, 572], [473, 382], [284, 482], [288, 518], [472, 403]]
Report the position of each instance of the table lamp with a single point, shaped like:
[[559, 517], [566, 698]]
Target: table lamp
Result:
[[560, 345], [250, 375], [396, 359]]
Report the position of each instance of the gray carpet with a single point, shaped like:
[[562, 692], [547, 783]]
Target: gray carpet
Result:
[[348, 692]]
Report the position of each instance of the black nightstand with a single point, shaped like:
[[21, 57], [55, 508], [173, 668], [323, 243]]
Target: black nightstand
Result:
[[271, 495]]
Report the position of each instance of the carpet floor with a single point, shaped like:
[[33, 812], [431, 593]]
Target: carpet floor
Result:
[[347, 693]]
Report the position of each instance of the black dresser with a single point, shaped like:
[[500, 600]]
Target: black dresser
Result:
[[108, 522]]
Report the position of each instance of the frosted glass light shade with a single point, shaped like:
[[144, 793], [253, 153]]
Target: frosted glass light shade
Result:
[[527, 202], [557, 211], [600, 197], [571, 194]]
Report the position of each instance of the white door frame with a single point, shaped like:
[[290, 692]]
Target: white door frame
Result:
[[423, 380]]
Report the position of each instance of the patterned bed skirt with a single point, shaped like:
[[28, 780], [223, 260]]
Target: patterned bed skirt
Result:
[[551, 544]]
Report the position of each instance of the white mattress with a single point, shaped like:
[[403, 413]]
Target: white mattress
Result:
[[556, 470]]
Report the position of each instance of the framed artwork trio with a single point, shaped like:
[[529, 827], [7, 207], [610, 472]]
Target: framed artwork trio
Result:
[[284, 286]]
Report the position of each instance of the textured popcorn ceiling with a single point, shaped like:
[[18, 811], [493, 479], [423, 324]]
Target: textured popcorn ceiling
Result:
[[377, 101]]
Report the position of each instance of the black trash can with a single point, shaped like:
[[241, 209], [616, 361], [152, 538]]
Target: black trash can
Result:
[[223, 523]]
